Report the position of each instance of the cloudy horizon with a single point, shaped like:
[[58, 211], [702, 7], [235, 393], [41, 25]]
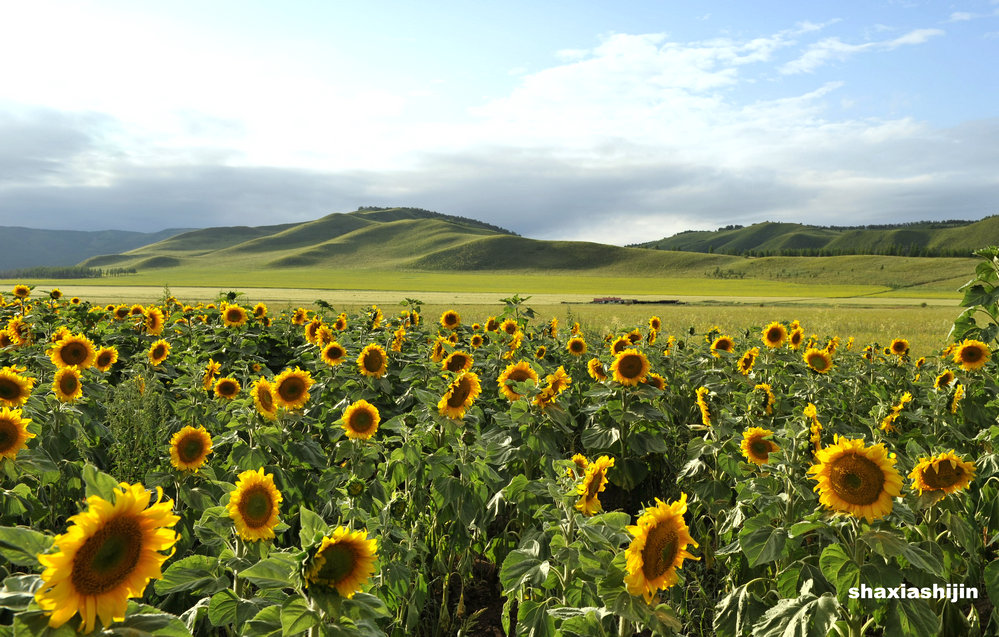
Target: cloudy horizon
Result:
[[584, 124]]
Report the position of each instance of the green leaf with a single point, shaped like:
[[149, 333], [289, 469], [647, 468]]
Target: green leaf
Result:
[[266, 623], [313, 527], [884, 543], [628, 474], [36, 624], [911, 617], [193, 573], [225, 609], [297, 617], [141, 620], [992, 581], [19, 591], [272, 572], [21, 545], [805, 616], [763, 545], [840, 569], [523, 568], [98, 483], [735, 612], [533, 619], [924, 559]]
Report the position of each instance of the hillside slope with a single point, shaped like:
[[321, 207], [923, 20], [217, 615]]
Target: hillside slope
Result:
[[29, 247], [937, 239]]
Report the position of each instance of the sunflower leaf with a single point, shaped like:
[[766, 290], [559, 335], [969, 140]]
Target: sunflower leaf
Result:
[[193, 573], [21, 545], [912, 617], [764, 544], [274, 571], [804, 616], [98, 483], [296, 617], [840, 569]]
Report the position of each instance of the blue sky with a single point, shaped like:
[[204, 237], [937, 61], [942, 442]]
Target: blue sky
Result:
[[614, 122]]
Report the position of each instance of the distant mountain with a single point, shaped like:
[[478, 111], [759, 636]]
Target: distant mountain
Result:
[[372, 238], [919, 239], [29, 247]]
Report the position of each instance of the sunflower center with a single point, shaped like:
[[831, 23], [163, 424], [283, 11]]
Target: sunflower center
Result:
[[660, 550], [818, 362], [630, 366], [8, 435], [9, 390], [971, 354], [291, 389], [459, 394], [373, 361], [190, 448], [760, 449], [361, 421], [227, 388], [457, 363], [942, 475], [255, 507], [339, 563], [108, 557], [159, 351], [576, 346], [773, 335], [856, 479], [68, 384], [104, 359], [334, 353], [593, 487], [73, 353], [264, 395]]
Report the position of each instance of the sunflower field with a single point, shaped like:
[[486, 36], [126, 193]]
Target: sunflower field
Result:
[[229, 469]]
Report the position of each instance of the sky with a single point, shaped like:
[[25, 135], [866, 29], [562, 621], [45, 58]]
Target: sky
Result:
[[588, 120]]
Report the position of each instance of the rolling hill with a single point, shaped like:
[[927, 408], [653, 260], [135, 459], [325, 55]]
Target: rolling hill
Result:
[[30, 247], [920, 239]]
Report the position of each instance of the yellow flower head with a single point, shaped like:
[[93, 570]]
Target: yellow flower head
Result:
[[755, 446], [594, 482], [774, 335], [946, 472], [14, 433], [854, 479], [661, 538], [263, 398], [253, 505], [158, 352], [66, 384], [972, 355], [372, 361], [189, 448], [291, 388], [360, 420], [630, 367], [460, 395], [344, 560], [517, 372], [73, 349]]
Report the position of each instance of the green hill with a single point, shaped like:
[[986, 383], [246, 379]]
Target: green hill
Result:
[[922, 239], [31, 247]]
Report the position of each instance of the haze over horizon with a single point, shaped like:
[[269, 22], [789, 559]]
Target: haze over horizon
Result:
[[564, 121]]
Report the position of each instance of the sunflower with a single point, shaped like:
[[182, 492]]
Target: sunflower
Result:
[[559, 381], [227, 388], [323, 335], [855, 479], [655, 323], [768, 397], [75, 300], [656, 381], [944, 380], [888, 424], [450, 320], [372, 361], [108, 554], [796, 337], [630, 367], [5, 339], [815, 428], [211, 370], [398, 338], [19, 331], [136, 311], [259, 310], [972, 355], [492, 325], [154, 321], [55, 294], [263, 398], [596, 369], [516, 372], [457, 361], [594, 482], [702, 404], [722, 344], [818, 360], [121, 312], [945, 472], [105, 358], [72, 349], [439, 349], [745, 364], [476, 341], [333, 354], [756, 447], [658, 548], [234, 316], [670, 342], [340, 324], [634, 336], [414, 318], [291, 388], [899, 347], [360, 420], [66, 384], [576, 346], [509, 326], [460, 395], [300, 316], [158, 352], [579, 464], [344, 561], [189, 448], [22, 291], [774, 335], [13, 432], [955, 400], [253, 505], [312, 331], [619, 344]]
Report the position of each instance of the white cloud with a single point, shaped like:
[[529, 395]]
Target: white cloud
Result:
[[960, 16], [830, 49]]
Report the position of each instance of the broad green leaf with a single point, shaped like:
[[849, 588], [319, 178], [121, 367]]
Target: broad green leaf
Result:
[[805, 616], [225, 609], [297, 617], [313, 527], [992, 581], [840, 569], [193, 573], [911, 617], [266, 623], [98, 483], [271, 572], [523, 568], [21, 545], [763, 545], [735, 612]]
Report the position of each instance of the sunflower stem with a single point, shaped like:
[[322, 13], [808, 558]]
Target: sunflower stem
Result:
[[623, 627]]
